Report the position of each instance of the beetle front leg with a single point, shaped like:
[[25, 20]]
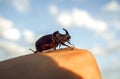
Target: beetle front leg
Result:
[[70, 44], [66, 45]]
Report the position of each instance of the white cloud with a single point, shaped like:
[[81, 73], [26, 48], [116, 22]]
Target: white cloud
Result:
[[4, 23], [113, 6], [11, 34], [108, 36], [29, 36], [7, 30], [112, 47], [81, 18], [112, 44], [12, 49], [117, 25], [21, 5], [65, 19], [53, 9], [98, 50]]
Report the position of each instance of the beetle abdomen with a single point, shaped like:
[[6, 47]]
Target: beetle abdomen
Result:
[[45, 43]]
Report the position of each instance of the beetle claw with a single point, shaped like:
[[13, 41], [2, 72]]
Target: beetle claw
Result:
[[72, 47]]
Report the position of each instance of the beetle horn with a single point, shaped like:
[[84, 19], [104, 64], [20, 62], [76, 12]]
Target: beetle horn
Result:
[[66, 31]]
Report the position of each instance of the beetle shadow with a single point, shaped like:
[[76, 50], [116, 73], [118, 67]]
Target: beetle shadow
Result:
[[34, 66]]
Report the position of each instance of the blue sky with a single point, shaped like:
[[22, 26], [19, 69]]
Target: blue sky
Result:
[[93, 25]]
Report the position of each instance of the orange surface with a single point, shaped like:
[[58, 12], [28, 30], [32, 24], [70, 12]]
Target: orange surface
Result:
[[59, 64]]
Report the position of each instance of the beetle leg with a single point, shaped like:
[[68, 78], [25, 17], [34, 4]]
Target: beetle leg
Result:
[[59, 46], [66, 45], [70, 43]]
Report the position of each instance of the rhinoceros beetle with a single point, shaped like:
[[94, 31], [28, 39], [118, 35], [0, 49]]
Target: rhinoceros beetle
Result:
[[52, 41]]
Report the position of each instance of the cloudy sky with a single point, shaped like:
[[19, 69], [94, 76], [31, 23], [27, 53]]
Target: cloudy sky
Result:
[[92, 24]]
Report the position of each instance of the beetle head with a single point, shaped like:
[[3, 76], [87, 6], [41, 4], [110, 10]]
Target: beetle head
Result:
[[67, 36], [61, 38]]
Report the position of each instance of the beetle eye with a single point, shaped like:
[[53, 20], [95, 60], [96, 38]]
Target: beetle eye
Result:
[[69, 37]]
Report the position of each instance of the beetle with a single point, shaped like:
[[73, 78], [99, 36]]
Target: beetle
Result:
[[52, 41]]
